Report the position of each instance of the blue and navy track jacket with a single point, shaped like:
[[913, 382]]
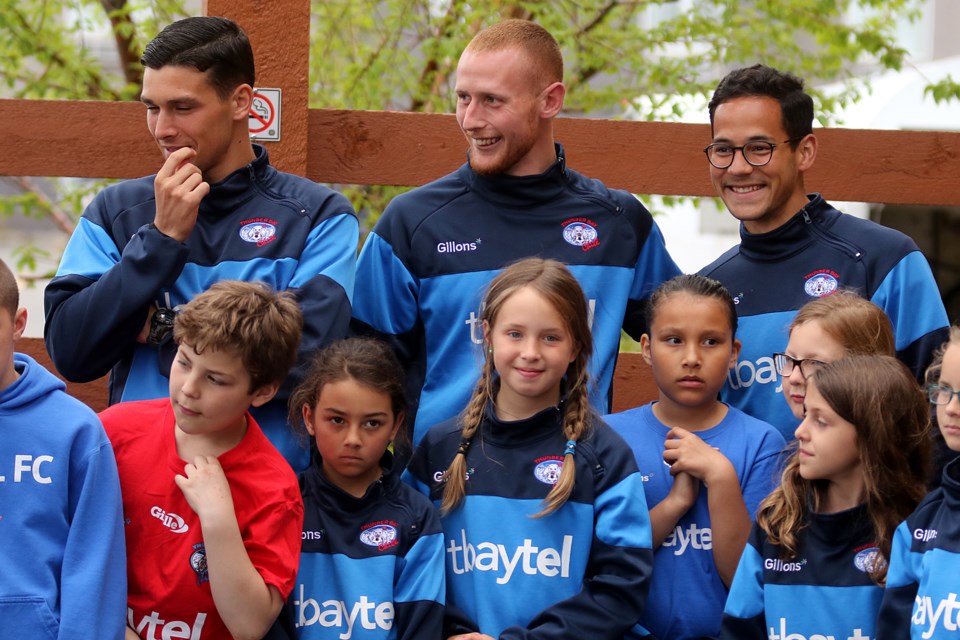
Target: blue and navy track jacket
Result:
[[922, 598], [371, 567], [772, 275], [581, 572], [425, 267], [824, 592], [256, 224]]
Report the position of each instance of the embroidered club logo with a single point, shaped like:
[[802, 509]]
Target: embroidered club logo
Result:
[[381, 535], [258, 231], [170, 520], [867, 559], [821, 283], [548, 469], [581, 232], [198, 562]]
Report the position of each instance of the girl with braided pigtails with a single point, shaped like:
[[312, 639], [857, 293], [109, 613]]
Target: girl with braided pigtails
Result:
[[546, 528]]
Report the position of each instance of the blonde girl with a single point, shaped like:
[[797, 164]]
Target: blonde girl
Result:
[[546, 528], [921, 596], [816, 560]]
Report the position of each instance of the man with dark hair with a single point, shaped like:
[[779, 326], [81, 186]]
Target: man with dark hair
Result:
[[216, 210], [795, 247], [424, 267]]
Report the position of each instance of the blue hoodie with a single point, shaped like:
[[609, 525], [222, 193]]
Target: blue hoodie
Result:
[[61, 534]]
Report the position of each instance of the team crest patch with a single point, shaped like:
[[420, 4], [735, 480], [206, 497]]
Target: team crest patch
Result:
[[867, 559], [821, 283], [581, 232], [548, 469], [259, 231], [381, 535], [198, 562]]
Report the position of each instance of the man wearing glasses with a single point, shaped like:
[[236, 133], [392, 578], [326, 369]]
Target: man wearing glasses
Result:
[[795, 246]]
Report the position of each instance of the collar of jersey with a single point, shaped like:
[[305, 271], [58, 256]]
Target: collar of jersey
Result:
[[329, 493], [791, 238], [238, 187], [519, 191]]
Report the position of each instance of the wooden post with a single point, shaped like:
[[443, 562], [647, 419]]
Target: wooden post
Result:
[[280, 35]]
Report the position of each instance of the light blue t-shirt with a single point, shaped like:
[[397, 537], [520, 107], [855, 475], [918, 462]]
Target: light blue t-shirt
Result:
[[686, 594]]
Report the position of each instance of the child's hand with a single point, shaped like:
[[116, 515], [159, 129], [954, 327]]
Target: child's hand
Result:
[[684, 490], [471, 636], [686, 452], [206, 489]]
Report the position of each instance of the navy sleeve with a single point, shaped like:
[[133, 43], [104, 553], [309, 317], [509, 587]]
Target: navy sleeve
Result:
[[323, 284], [654, 265], [97, 303], [910, 297], [420, 588], [896, 609]]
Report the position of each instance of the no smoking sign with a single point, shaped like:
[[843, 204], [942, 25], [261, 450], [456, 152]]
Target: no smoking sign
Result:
[[264, 120]]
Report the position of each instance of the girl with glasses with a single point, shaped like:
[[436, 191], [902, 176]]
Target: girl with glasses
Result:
[[817, 557], [824, 330], [921, 595]]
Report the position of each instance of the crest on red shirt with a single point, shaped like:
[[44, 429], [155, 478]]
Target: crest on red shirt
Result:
[[198, 562]]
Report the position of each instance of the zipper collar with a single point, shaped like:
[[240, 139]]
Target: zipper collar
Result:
[[238, 187], [519, 191], [793, 236], [332, 495]]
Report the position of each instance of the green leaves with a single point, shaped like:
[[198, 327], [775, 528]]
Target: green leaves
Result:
[[946, 89], [649, 59]]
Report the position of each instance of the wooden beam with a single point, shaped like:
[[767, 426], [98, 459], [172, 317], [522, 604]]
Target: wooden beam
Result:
[[896, 167], [109, 140], [88, 139]]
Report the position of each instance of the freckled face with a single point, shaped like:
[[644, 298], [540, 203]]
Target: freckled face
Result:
[[210, 391]]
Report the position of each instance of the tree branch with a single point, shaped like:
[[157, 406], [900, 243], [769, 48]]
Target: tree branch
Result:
[[53, 211], [120, 23], [94, 85]]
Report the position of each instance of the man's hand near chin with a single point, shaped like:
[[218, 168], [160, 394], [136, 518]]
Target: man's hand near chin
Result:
[[179, 187]]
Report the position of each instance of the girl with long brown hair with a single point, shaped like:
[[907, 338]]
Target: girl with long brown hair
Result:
[[816, 561]]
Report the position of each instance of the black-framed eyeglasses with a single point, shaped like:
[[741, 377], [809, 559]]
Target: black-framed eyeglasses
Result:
[[757, 153], [941, 394], [784, 365]]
